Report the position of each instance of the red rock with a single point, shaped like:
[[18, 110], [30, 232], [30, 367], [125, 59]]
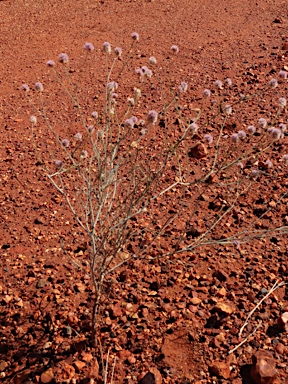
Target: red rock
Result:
[[285, 46], [263, 370], [22, 377], [283, 321], [87, 357], [220, 369], [47, 376], [68, 372], [79, 365], [281, 349], [224, 308], [94, 370], [198, 151]]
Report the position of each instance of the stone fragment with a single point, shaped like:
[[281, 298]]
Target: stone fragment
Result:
[[220, 369], [3, 365], [148, 378], [283, 321], [79, 365], [224, 308], [94, 370], [41, 283], [68, 372], [281, 349], [47, 376], [198, 151], [196, 300], [263, 369], [22, 376]]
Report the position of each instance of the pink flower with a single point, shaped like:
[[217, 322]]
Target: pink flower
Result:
[[152, 117], [89, 47], [63, 58]]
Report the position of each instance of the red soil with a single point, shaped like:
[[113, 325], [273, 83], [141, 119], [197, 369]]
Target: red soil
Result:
[[159, 315]]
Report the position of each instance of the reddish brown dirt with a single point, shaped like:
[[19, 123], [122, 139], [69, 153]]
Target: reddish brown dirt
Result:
[[159, 315]]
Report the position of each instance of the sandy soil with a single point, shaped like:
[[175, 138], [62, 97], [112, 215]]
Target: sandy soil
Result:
[[172, 319]]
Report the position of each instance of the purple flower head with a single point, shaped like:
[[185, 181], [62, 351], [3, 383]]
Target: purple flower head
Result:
[[208, 138], [152, 117], [193, 127], [78, 136], [282, 102], [273, 83], [285, 159], [129, 123], [183, 87], [135, 36], [63, 58], [134, 119], [89, 47], [283, 74], [242, 135], [94, 114], [50, 63], [218, 84], [283, 127], [240, 165], [235, 138], [33, 119], [112, 86], [254, 173], [58, 163], [118, 51], [107, 47], [84, 154], [91, 128], [251, 129], [146, 71], [152, 60], [262, 122], [228, 109], [275, 133], [139, 72], [39, 86], [175, 49], [25, 87], [269, 163], [65, 143], [228, 81], [207, 93]]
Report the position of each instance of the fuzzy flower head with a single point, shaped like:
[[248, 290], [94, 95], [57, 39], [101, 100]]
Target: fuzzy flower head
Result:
[[58, 163], [285, 159], [112, 86], [175, 49], [84, 155], [107, 47], [183, 87], [118, 51], [65, 143], [206, 93], [218, 84], [235, 138], [273, 83], [89, 47], [283, 127], [137, 94], [50, 63], [33, 119], [282, 102], [269, 163], [91, 128], [94, 114], [240, 165], [251, 129], [254, 173], [131, 101], [78, 136], [242, 135], [228, 109], [152, 60], [262, 122], [146, 71], [228, 82], [39, 86], [152, 117], [135, 36], [283, 74], [129, 123], [275, 133], [139, 72], [25, 87], [63, 58], [208, 138], [193, 127]]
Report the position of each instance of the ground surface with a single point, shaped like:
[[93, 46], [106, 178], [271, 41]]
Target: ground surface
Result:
[[161, 315]]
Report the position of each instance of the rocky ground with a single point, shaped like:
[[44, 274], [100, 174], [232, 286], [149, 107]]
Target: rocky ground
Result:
[[176, 319]]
